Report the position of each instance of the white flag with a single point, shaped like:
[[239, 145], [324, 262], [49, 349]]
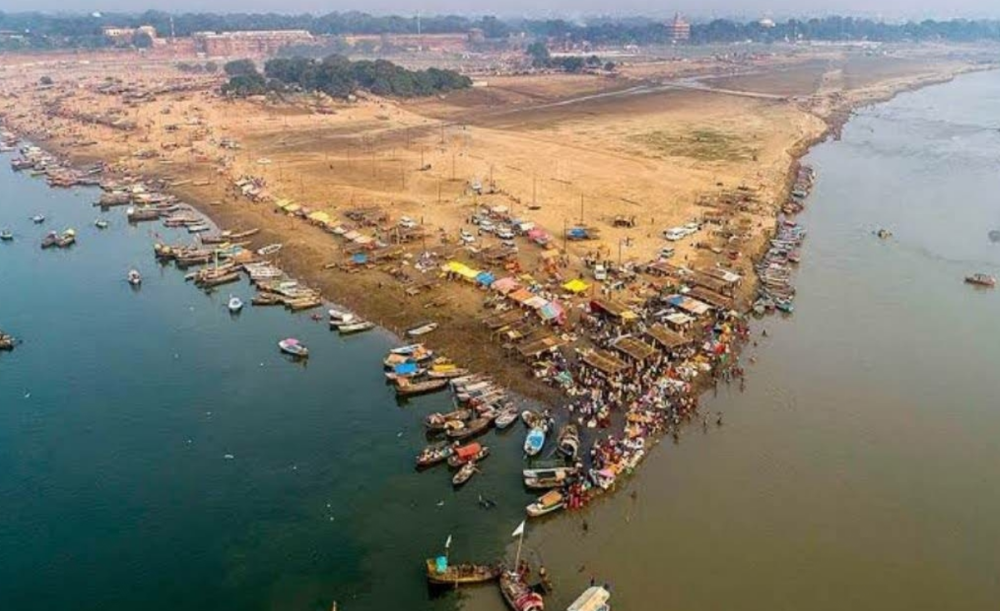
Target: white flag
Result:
[[447, 543], [519, 530]]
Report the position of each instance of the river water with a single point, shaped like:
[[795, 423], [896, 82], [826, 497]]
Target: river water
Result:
[[859, 467]]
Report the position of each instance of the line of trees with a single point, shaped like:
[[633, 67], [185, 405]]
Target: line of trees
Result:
[[38, 30], [339, 77]]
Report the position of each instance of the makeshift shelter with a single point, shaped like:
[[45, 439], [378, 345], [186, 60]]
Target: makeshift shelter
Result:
[[539, 347], [505, 285], [553, 311], [667, 339], [576, 286], [485, 279], [614, 309], [520, 296], [320, 218], [462, 270], [689, 305], [679, 320], [604, 362], [634, 348], [536, 302]]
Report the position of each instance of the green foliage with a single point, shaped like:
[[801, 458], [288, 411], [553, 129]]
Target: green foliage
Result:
[[240, 67], [143, 40], [45, 81], [337, 76], [539, 54]]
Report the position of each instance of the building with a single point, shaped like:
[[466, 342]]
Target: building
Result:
[[680, 30], [457, 42], [118, 36], [262, 42]]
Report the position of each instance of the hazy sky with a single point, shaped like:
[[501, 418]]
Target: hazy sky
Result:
[[889, 9]]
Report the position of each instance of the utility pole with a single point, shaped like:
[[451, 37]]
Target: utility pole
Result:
[[581, 208], [453, 165]]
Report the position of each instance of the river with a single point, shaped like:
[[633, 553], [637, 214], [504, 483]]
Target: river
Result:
[[858, 468]]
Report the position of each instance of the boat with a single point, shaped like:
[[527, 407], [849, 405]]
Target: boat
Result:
[[461, 430], [38, 219], [404, 350], [293, 347], [406, 388], [569, 441], [270, 249], [339, 316], [358, 326], [544, 479], [464, 474], [534, 441], [142, 213], [7, 342], [434, 454], [518, 594], [66, 238], [547, 503], [594, 598], [6, 235], [440, 573], [50, 239], [447, 373], [101, 224], [439, 422], [466, 453], [235, 304], [982, 280], [422, 329], [134, 277], [506, 417]]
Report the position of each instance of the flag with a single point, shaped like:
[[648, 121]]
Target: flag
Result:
[[447, 543], [519, 530]]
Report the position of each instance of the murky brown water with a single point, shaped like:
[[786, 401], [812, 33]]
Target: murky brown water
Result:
[[861, 467]]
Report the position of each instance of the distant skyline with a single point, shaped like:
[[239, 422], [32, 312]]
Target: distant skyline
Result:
[[568, 9]]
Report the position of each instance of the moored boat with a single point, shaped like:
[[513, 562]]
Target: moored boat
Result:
[[407, 388], [464, 474], [38, 219], [6, 235], [50, 239], [270, 249], [66, 238], [439, 572], [134, 277], [462, 430], [434, 454], [467, 453], [7, 342], [506, 417], [594, 598], [547, 503], [518, 594], [439, 422], [358, 326], [534, 441], [569, 441], [422, 329], [293, 347], [981, 280]]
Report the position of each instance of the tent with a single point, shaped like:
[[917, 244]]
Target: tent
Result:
[[405, 369], [292, 208], [576, 286], [485, 278], [505, 285], [320, 217], [468, 451], [536, 302], [553, 310], [359, 258], [462, 270]]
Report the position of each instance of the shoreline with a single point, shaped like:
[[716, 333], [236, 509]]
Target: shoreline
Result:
[[337, 286]]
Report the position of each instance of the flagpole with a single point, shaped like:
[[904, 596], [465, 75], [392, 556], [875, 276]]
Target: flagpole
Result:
[[517, 559]]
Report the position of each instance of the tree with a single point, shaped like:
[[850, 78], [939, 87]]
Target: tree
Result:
[[240, 67], [45, 81], [142, 40], [539, 54], [211, 67], [610, 66]]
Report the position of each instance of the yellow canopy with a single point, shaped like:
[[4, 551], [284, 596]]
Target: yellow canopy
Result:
[[576, 286], [462, 270], [319, 217], [292, 208], [282, 203]]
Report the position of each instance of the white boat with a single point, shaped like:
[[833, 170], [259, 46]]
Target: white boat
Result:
[[235, 304], [101, 224], [405, 350], [594, 598], [38, 219], [270, 249], [339, 316], [197, 228], [423, 329], [293, 347], [134, 277], [357, 326], [547, 503]]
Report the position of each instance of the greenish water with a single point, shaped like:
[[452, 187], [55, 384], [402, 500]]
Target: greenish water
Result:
[[117, 411], [859, 469]]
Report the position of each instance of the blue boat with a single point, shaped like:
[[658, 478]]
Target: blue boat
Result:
[[534, 441]]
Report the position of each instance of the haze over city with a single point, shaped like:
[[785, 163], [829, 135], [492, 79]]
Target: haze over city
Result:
[[883, 9]]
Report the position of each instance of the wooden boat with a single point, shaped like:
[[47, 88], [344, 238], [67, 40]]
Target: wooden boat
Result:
[[406, 388], [142, 214], [38, 219], [50, 239], [202, 227], [982, 280], [569, 441], [594, 598], [547, 503], [447, 373], [303, 303], [338, 316], [434, 454], [218, 279], [464, 474], [549, 469], [442, 574], [6, 235], [405, 350], [268, 250], [466, 453], [7, 342], [462, 430], [506, 417], [439, 422], [293, 347], [235, 304], [101, 224], [134, 277], [66, 238], [534, 441], [518, 594], [555, 478], [358, 326], [422, 329]]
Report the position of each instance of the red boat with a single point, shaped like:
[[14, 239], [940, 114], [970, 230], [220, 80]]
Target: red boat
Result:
[[517, 593]]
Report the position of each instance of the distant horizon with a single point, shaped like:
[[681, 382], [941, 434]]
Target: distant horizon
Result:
[[693, 13]]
